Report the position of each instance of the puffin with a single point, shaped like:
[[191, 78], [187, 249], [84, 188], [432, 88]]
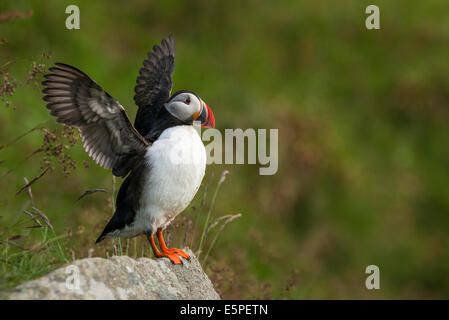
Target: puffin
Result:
[[162, 155]]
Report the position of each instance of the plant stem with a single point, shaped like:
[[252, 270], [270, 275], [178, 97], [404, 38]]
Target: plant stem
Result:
[[206, 223], [198, 215], [217, 234]]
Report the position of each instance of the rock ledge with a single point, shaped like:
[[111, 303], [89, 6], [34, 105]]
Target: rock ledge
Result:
[[123, 278]]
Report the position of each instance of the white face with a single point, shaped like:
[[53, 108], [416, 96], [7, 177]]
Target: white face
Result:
[[185, 106]]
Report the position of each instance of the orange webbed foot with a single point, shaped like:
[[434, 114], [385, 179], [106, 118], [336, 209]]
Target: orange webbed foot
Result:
[[164, 248], [179, 252], [174, 258]]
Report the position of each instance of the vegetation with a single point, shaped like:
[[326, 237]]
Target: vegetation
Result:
[[362, 118]]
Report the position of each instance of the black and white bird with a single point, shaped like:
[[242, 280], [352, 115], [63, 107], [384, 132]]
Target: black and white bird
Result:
[[162, 155]]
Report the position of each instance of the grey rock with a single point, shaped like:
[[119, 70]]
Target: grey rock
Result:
[[120, 277]]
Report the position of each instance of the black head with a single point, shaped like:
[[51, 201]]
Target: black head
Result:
[[183, 108]]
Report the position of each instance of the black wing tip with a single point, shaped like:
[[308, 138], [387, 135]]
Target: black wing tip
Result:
[[171, 44], [104, 234], [62, 64], [65, 65], [165, 48], [46, 97], [100, 238], [68, 68], [50, 105], [166, 43], [169, 40]]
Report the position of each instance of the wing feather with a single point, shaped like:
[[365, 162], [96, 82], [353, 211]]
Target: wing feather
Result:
[[154, 84], [108, 136]]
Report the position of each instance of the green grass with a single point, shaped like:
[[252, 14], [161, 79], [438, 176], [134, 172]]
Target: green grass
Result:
[[18, 263]]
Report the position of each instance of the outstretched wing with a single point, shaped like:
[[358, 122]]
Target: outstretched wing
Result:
[[154, 84], [108, 136]]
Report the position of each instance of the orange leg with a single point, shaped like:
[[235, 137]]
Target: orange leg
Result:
[[164, 248], [172, 256]]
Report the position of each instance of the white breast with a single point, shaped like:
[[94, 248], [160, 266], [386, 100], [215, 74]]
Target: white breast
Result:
[[177, 161]]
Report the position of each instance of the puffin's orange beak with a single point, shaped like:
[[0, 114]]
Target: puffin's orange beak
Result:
[[207, 117]]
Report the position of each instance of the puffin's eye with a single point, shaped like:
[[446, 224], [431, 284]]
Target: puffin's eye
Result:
[[187, 101]]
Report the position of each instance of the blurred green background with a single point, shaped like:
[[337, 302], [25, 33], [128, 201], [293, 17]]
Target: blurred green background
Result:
[[363, 130]]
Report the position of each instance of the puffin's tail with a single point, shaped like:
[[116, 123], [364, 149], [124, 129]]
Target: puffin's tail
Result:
[[124, 213], [109, 228], [119, 220], [100, 238]]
